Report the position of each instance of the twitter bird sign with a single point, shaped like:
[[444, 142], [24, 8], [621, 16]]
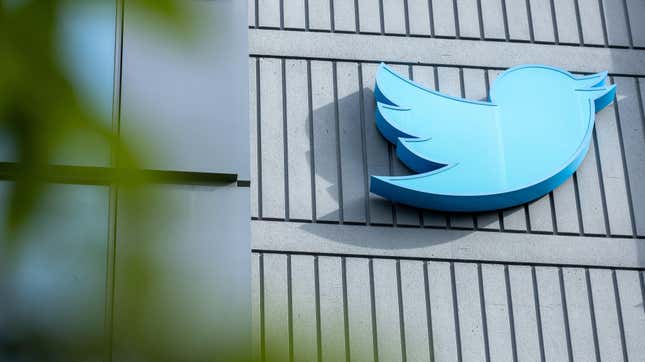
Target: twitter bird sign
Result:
[[476, 156]]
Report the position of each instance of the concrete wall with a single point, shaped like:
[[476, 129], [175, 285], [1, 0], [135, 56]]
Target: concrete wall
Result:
[[342, 274]]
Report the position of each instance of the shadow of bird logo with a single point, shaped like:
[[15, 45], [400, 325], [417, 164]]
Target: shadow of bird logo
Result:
[[530, 136]]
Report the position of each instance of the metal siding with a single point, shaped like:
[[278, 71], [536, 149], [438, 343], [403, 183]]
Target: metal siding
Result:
[[375, 294]]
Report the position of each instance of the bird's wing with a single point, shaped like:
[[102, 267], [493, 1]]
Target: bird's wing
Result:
[[430, 129]]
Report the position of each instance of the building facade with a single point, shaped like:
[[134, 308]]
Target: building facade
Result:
[[340, 274]]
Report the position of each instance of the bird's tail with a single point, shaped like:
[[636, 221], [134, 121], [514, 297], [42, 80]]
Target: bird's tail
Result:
[[594, 88]]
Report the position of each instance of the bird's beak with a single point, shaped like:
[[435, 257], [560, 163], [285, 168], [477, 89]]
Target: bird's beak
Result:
[[601, 95], [593, 87], [592, 80]]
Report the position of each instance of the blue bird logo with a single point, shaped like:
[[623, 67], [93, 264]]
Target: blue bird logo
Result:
[[474, 156]]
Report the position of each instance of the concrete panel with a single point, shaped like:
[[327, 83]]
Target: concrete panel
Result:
[[494, 19], [501, 337], [419, 17], [613, 176], [369, 16], [566, 19], [518, 21], [443, 15], [359, 309], [299, 131], [580, 318], [276, 307], [606, 313], [422, 50], [252, 14], [591, 197], [394, 19], [414, 295], [354, 181], [553, 314], [566, 211], [269, 13], [591, 22], [344, 15], [468, 19], [540, 215], [294, 14], [469, 309], [380, 210], [304, 304], [514, 219], [272, 139], [542, 20], [616, 23], [256, 308], [388, 318], [448, 244], [635, 11], [630, 291], [630, 115], [332, 322], [319, 14], [325, 141], [253, 137], [527, 326], [444, 336]]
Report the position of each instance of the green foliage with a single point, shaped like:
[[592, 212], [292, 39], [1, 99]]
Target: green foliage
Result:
[[41, 111]]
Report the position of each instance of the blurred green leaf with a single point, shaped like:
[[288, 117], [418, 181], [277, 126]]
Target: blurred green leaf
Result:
[[40, 108]]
